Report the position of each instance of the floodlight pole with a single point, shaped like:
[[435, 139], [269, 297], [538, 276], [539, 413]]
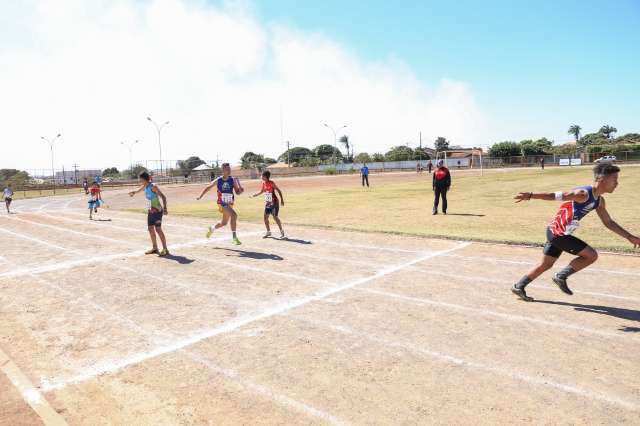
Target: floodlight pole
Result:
[[335, 141], [130, 148], [51, 141], [159, 130]]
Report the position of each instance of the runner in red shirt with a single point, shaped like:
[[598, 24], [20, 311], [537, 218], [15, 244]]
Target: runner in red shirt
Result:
[[272, 202], [95, 199]]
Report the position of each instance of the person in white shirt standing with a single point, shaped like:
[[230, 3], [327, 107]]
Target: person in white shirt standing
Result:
[[7, 194]]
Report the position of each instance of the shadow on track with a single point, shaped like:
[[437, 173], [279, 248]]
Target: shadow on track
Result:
[[292, 240], [627, 314], [252, 254], [466, 214], [180, 259], [101, 220]]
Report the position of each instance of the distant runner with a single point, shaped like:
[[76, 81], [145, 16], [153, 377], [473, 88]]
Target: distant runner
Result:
[[7, 194], [429, 166], [155, 213], [272, 202], [226, 185], [85, 186], [576, 205], [95, 199]]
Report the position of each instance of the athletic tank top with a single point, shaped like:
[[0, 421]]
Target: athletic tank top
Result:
[[152, 197], [270, 196], [225, 190], [567, 220]]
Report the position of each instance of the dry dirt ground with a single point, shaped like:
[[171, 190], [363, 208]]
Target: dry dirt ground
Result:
[[326, 327]]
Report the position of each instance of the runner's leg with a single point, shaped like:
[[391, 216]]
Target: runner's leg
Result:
[[152, 235], [266, 221], [436, 201], [163, 239], [444, 201]]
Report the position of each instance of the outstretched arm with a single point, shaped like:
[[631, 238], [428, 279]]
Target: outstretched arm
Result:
[[258, 193], [132, 193], [207, 188], [613, 225], [579, 195]]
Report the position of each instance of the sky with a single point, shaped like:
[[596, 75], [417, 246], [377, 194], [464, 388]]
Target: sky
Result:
[[236, 76]]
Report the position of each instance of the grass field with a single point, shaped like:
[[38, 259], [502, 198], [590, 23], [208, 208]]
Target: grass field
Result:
[[480, 208]]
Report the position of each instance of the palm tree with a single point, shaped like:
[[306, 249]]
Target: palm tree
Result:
[[575, 131], [608, 130], [344, 140]]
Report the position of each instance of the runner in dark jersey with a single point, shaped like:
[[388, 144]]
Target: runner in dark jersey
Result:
[[272, 202], [226, 185], [576, 205]]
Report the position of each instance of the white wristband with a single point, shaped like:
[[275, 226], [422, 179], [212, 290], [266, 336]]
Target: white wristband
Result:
[[559, 195]]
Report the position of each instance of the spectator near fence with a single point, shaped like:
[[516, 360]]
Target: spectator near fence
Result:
[[429, 166], [441, 184], [364, 172]]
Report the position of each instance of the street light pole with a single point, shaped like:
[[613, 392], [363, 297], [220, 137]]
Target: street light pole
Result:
[[51, 142], [335, 141], [130, 148], [159, 130]]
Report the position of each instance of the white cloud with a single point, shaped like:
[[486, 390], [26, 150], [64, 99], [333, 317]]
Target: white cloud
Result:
[[93, 70]]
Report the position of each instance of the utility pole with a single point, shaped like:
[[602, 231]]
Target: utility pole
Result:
[[288, 154], [159, 130], [75, 173], [50, 142]]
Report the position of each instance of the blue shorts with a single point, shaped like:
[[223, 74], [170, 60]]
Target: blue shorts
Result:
[[94, 204]]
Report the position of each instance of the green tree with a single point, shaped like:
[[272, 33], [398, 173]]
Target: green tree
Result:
[[567, 148], [111, 172], [325, 152], [295, 154], [593, 139], [441, 144], [134, 171], [538, 147], [377, 157], [607, 131], [629, 138], [269, 160], [399, 153], [15, 177], [421, 154], [575, 130], [505, 149], [362, 157], [250, 160], [186, 166]]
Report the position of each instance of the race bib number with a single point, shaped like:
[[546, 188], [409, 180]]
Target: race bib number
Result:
[[572, 227], [268, 197], [227, 198]]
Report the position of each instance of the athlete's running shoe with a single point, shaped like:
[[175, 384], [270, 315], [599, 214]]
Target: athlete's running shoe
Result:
[[236, 241], [209, 231], [282, 235], [267, 234], [562, 284], [521, 293], [163, 253], [152, 251]]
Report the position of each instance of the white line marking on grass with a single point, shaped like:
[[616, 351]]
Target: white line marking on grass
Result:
[[267, 392], [30, 394], [501, 315], [533, 380], [230, 326]]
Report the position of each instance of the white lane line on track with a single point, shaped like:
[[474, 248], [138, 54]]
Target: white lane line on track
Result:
[[29, 393], [59, 266], [267, 392], [508, 284], [32, 394], [522, 262], [230, 326], [133, 218], [487, 312], [456, 360]]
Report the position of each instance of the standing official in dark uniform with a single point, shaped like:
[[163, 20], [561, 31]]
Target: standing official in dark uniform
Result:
[[441, 185]]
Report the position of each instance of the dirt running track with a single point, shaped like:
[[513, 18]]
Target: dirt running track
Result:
[[327, 327]]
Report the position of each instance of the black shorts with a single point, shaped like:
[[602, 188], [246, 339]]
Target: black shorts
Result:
[[8, 199], [556, 245], [154, 218], [272, 210]]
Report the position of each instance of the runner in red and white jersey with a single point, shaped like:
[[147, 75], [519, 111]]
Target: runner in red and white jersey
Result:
[[576, 205], [272, 202]]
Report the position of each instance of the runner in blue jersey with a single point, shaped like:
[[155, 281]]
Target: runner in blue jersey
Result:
[[226, 186], [155, 212], [576, 205]]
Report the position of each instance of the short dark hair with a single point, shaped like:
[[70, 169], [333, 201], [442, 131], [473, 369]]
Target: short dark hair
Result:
[[266, 174], [145, 176], [605, 169], [226, 165]]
